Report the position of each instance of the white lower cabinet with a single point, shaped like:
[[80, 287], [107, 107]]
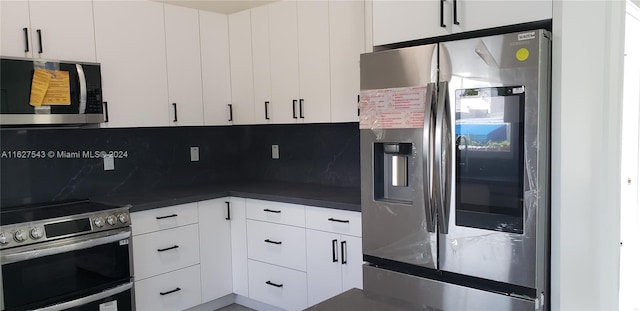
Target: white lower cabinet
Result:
[[281, 287], [177, 290], [215, 248], [277, 244]]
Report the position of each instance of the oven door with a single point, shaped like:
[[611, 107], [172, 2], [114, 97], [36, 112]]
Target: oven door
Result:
[[66, 270]]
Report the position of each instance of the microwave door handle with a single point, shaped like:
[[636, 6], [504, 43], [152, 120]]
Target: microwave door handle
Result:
[[83, 89], [442, 161], [29, 252], [89, 299], [427, 156]]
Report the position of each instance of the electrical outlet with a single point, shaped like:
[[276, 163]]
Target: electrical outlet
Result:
[[108, 162], [275, 152], [195, 154]]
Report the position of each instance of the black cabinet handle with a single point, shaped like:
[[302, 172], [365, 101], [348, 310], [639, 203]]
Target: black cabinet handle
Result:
[[273, 242], [171, 291], [455, 12], [271, 211], [442, 14], [26, 39], [335, 250], [230, 112], [168, 216], [273, 284], [358, 105], [228, 210], [168, 248], [175, 112], [338, 220], [39, 41], [301, 110], [295, 101], [106, 111], [343, 247], [266, 110]]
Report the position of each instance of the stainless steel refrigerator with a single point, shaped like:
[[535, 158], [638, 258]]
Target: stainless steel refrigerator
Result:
[[455, 172]]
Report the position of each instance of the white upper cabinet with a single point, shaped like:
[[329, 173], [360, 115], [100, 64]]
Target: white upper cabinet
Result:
[[216, 76], [241, 69], [347, 42], [183, 66], [402, 20], [261, 64], [134, 62], [283, 36], [59, 30], [314, 104]]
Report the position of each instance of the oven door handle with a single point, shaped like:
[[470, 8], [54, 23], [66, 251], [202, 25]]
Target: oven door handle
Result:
[[88, 299], [46, 249]]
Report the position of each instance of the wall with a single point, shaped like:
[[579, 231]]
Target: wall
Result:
[[159, 158], [586, 96]]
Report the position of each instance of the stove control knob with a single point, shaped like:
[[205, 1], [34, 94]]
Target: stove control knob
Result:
[[123, 218], [99, 222], [3, 238], [36, 233], [19, 235], [111, 220]]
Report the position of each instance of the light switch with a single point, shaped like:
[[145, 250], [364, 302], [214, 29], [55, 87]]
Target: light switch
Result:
[[108, 162], [275, 152], [195, 154]]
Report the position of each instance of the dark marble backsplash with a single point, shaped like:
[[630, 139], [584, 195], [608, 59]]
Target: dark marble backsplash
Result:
[[159, 158]]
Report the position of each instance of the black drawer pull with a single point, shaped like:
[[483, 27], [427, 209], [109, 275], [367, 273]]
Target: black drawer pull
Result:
[[442, 24], [228, 210], [168, 216], [335, 250], [273, 284], [343, 247], [168, 248], [26, 39], [295, 101], [171, 291], [106, 111], [266, 110], [230, 112], [272, 211], [39, 32], [301, 103], [175, 112], [338, 220], [273, 242]]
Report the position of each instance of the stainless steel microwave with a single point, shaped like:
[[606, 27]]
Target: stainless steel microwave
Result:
[[81, 86]]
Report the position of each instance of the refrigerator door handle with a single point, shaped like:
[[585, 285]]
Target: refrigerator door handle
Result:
[[427, 156], [442, 158]]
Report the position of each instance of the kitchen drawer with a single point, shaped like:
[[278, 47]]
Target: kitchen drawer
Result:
[[277, 244], [286, 289], [164, 218], [177, 290], [165, 251], [332, 220], [281, 213]]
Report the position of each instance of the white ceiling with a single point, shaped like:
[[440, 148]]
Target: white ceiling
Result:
[[220, 6]]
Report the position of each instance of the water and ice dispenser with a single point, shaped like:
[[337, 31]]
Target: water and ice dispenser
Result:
[[393, 171]]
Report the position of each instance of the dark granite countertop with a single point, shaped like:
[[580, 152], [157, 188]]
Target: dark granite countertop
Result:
[[304, 194]]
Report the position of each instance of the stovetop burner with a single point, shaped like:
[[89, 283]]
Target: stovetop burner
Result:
[[41, 211]]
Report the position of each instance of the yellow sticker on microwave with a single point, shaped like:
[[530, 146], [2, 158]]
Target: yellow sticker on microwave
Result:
[[522, 54]]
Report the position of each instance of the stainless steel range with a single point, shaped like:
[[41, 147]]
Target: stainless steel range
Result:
[[71, 255]]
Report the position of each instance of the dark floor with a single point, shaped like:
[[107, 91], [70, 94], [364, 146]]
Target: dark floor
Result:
[[235, 307]]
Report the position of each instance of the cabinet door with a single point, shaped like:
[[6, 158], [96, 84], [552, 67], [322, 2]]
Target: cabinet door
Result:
[[134, 62], [183, 65], [352, 268], [283, 46], [324, 271], [403, 20], [481, 14], [215, 249], [177, 290], [239, 247], [241, 68], [14, 19], [261, 64], [216, 76], [66, 29], [313, 51], [346, 21]]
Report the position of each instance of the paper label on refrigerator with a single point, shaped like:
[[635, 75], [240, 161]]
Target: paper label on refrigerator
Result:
[[393, 108], [109, 306], [526, 36]]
